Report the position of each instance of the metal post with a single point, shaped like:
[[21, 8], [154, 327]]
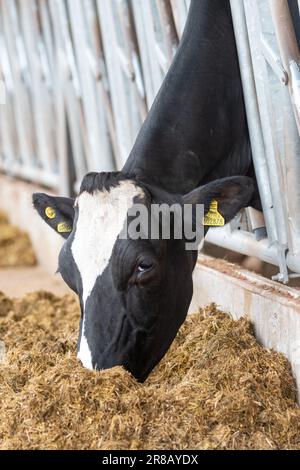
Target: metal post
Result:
[[254, 124], [169, 28], [289, 50]]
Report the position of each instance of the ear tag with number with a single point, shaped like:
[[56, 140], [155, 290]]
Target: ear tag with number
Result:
[[213, 218], [64, 227], [50, 213]]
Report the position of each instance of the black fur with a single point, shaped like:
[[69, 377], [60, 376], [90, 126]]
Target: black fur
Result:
[[101, 181]]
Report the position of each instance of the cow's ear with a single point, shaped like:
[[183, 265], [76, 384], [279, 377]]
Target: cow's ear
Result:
[[58, 212], [222, 198]]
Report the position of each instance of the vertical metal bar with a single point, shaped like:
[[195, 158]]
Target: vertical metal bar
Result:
[[8, 138], [257, 24], [66, 91], [42, 111], [20, 97], [47, 32], [256, 136], [289, 50], [169, 28], [127, 118], [98, 143], [99, 68], [145, 31], [132, 51], [180, 10], [290, 108]]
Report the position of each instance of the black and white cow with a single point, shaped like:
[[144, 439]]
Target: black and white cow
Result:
[[135, 294]]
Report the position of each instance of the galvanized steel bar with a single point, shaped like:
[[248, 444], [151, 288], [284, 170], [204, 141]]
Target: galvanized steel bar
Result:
[[95, 125], [169, 28], [280, 144], [256, 135], [263, 92], [289, 50]]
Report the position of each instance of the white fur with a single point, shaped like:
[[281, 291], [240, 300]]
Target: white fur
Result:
[[100, 220], [84, 352]]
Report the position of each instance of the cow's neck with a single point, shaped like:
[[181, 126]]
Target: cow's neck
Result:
[[198, 116]]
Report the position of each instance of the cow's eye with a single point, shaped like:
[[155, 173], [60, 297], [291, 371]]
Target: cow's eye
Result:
[[144, 266]]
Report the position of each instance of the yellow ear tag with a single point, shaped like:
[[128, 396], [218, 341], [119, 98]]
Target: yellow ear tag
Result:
[[64, 227], [213, 218], [50, 213]]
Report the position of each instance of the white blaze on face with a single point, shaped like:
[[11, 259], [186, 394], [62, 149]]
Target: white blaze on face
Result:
[[101, 218]]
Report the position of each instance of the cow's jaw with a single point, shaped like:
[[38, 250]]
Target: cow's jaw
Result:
[[101, 218]]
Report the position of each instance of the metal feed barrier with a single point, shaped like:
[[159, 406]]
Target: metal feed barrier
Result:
[[80, 76], [270, 60]]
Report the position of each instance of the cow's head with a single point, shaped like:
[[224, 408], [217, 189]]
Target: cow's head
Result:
[[134, 292]]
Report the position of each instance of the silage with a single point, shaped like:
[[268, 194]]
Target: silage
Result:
[[15, 246], [217, 388]]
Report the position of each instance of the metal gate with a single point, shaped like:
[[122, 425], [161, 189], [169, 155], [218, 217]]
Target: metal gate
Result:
[[80, 76], [270, 67]]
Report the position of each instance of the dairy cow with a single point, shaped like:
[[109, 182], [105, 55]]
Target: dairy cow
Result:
[[193, 148]]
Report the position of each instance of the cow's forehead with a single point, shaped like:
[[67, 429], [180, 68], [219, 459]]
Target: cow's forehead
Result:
[[101, 217]]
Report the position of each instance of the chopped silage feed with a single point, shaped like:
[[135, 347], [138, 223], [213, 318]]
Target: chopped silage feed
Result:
[[15, 246], [217, 388]]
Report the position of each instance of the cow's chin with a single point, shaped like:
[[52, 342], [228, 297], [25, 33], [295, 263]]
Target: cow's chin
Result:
[[137, 360], [135, 334]]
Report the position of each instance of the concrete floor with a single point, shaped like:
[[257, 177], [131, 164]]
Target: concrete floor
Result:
[[15, 282]]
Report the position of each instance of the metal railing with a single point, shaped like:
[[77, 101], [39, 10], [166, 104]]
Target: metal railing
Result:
[[80, 76], [270, 68]]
